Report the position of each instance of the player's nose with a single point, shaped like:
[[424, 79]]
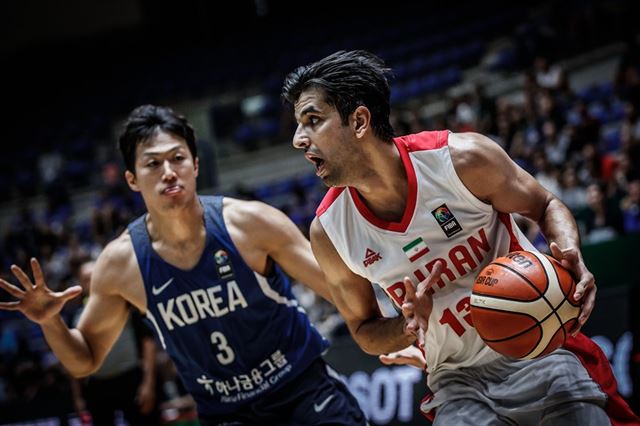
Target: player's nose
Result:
[[300, 139], [167, 171]]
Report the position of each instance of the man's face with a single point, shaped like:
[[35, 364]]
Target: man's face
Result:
[[165, 171], [327, 143]]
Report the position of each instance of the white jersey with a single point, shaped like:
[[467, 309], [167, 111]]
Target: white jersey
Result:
[[443, 220]]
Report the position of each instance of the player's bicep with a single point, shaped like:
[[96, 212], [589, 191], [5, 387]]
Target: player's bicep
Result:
[[352, 294]]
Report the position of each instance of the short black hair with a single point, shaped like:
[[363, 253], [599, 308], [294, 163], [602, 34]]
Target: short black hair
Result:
[[348, 79], [143, 123]]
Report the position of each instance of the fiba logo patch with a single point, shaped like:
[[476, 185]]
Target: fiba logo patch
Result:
[[221, 257], [223, 264], [446, 220]]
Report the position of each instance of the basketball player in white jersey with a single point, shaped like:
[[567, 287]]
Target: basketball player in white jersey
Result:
[[430, 210]]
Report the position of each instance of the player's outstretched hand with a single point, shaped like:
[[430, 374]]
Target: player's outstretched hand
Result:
[[407, 356], [586, 284], [418, 303], [35, 300]]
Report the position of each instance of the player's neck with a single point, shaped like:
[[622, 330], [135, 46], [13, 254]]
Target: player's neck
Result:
[[383, 185], [181, 226]]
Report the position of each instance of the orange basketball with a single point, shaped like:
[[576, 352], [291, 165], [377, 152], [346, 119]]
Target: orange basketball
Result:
[[522, 304]]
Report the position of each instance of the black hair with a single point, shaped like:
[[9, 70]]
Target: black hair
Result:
[[348, 79], [143, 123]]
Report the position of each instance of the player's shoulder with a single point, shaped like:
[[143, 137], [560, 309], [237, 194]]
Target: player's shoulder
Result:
[[424, 141], [251, 213], [117, 262], [119, 249], [237, 205], [471, 149]]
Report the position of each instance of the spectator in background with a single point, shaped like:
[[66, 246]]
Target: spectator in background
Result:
[[628, 83], [546, 174], [631, 208], [584, 130], [589, 164], [554, 145], [126, 381], [547, 76], [572, 193], [600, 220]]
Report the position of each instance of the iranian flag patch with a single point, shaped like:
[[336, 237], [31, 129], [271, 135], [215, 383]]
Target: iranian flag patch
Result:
[[416, 249]]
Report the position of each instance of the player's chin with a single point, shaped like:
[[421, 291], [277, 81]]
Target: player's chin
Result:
[[326, 182], [331, 180]]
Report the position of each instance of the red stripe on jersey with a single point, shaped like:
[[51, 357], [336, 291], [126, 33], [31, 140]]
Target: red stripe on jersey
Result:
[[425, 141], [598, 367], [412, 194], [514, 244], [328, 199]]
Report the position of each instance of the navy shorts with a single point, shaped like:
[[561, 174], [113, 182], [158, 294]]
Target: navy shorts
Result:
[[314, 397]]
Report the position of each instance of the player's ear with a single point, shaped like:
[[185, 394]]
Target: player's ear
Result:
[[196, 166], [361, 120], [131, 180]]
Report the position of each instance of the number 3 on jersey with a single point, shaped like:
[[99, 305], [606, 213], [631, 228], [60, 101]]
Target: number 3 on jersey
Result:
[[463, 308], [225, 353]]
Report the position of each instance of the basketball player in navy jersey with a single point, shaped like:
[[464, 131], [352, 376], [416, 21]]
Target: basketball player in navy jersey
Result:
[[436, 207], [207, 271]]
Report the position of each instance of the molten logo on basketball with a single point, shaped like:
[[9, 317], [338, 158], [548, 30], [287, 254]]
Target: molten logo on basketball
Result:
[[519, 259], [522, 304]]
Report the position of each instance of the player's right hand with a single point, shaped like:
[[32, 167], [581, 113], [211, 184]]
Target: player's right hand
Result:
[[37, 302]]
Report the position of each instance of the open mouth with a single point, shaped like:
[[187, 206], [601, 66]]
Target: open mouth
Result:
[[316, 161]]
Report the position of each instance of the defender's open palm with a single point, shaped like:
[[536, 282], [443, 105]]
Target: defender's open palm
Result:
[[35, 300]]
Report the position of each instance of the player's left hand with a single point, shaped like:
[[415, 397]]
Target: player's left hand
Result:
[[586, 285]]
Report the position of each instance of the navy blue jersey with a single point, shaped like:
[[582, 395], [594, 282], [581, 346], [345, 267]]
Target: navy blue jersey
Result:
[[233, 334]]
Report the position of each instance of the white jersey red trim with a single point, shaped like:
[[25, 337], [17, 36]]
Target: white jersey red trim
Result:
[[442, 220]]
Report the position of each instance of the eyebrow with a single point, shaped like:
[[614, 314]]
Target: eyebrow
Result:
[[154, 153], [307, 110]]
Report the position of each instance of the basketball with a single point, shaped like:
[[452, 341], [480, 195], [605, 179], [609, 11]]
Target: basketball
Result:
[[522, 304]]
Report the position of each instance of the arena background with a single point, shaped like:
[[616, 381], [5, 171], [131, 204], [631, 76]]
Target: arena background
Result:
[[557, 84]]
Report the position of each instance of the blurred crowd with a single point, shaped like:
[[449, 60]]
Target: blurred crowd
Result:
[[582, 145]]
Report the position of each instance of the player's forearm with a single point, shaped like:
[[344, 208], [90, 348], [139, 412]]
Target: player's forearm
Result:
[[383, 335], [148, 361], [69, 346], [558, 225], [320, 287]]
